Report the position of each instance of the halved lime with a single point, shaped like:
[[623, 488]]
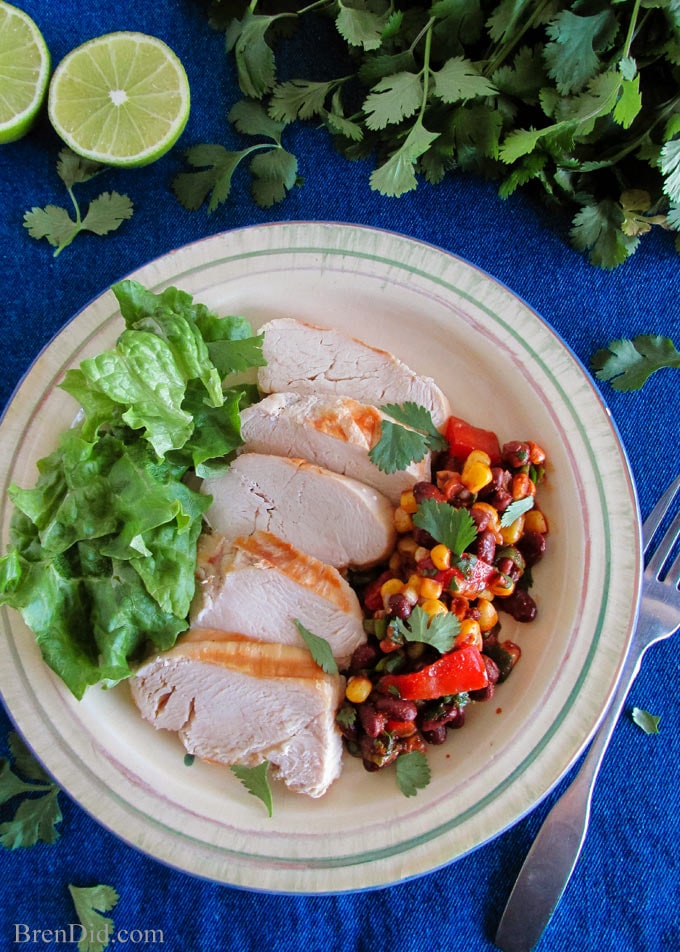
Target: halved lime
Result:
[[121, 99], [24, 72]]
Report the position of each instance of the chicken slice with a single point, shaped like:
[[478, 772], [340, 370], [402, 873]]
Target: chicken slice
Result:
[[334, 518], [236, 701], [310, 359], [259, 586], [334, 432]]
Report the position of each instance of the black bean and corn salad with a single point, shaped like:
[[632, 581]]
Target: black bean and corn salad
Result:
[[467, 541]]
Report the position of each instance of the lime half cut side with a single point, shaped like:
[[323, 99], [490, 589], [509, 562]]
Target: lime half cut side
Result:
[[24, 72], [120, 99]]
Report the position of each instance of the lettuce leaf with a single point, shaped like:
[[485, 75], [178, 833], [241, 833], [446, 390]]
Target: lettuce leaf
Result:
[[102, 549]]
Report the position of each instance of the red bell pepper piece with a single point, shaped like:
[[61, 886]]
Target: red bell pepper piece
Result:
[[463, 438], [470, 577], [457, 671]]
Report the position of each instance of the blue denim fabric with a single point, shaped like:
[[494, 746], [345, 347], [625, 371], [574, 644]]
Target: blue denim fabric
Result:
[[624, 893]]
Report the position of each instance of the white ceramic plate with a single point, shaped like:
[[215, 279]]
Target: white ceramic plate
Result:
[[504, 369]]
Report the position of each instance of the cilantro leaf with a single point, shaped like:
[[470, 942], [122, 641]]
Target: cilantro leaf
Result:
[[515, 510], [274, 174], [217, 166], [649, 723], [397, 175], [452, 527], [361, 27], [319, 649], [299, 99], [255, 62], [256, 782], [627, 364], [459, 80], [439, 631], [36, 817], [597, 229], [392, 99], [570, 55], [418, 418], [90, 903], [413, 772], [399, 445], [669, 163]]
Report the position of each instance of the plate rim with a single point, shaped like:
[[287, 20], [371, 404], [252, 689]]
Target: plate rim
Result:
[[284, 227]]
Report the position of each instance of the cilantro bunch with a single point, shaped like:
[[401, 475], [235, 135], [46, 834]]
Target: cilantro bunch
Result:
[[579, 101]]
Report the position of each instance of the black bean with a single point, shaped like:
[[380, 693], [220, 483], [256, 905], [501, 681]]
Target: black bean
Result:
[[437, 736], [532, 546], [399, 606], [520, 605], [372, 722], [425, 490], [395, 708], [486, 546]]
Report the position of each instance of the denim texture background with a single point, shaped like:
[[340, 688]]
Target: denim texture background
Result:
[[624, 895]]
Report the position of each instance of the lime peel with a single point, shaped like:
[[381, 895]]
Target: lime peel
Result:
[[121, 99], [24, 72]]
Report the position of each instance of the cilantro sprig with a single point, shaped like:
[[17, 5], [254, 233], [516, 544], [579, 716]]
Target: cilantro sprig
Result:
[[274, 170], [408, 439], [452, 527], [38, 813], [572, 101], [105, 213], [628, 364], [413, 772], [439, 631]]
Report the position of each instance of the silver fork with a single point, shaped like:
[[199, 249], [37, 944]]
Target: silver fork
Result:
[[553, 855]]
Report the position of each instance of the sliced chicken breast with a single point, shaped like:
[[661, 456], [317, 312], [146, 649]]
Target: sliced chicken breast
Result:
[[336, 519], [334, 432], [310, 359], [259, 586], [235, 701]]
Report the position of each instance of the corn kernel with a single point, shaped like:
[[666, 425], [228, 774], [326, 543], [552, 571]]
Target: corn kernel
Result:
[[470, 633], [358, 688], [407, 501], [535, 521], [413, 581], [475, 475], [441, 556], [478, 456], [488, 616], [402, 521], [430, 588], [432, 606], [394, 564], [459, 606], [411, 595], [393, 586], [513, 532]]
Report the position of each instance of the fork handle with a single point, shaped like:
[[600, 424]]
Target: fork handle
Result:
[[553, 855]]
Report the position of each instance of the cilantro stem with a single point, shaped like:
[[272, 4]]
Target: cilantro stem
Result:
[[426, 68], [76, 227], [495, 59], [631, 28]]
